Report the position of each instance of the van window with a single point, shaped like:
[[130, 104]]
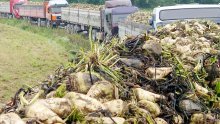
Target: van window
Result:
[[189, 13]]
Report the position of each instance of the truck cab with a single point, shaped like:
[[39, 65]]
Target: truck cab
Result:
[[168, 14], [112, 16], [53, 11], [114, 12], [103, 21]]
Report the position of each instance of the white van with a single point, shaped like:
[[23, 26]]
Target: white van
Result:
[[168, 14]]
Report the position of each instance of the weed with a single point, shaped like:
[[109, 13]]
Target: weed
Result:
[[61, 91]]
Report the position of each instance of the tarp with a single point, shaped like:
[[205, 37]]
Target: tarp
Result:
[[116, 3]]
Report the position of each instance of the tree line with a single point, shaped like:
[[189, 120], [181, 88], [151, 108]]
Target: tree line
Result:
[[154, 3], [151, 3]]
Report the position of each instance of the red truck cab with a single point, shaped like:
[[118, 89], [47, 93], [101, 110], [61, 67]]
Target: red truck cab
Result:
[[47, 11], [13, 9]]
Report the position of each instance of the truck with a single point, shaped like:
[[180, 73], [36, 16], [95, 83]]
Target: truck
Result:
[[47, 12], [5, 9], [168, 14], [102, 22]]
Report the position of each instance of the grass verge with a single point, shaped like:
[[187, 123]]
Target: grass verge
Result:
[[29, 53]]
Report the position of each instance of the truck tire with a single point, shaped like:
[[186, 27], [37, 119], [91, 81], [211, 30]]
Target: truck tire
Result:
[[77, 28], [54, 24], [67, 28], [71, 29], [29, 19], [38, 22], [48, 23], [9, 16]]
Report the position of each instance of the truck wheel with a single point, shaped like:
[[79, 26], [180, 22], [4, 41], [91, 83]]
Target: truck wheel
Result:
[[54, 25], [38, 22], [67, 28], [48, 23], [75, 29], [94, 35], [71, 29], [9, 16], [29, 19]]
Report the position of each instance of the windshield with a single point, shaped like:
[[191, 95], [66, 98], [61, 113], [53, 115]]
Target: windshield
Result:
[[55, 9], [189, 13]]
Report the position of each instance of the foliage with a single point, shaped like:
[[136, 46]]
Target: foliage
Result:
[[61, 91], [75, 116], [68, 41], [146, 3], [99, 58], [217, 88], [154, 3], [151, 3]]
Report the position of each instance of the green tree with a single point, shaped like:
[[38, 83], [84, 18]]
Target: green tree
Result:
[[152, 3]]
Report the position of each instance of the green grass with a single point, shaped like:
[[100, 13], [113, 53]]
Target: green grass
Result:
[[70, 42], [29, 54]]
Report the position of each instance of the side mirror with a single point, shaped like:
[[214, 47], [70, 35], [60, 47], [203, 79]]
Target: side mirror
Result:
[[151, 21]]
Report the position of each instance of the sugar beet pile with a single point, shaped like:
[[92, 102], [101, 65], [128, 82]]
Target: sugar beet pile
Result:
[[167, 77], [140, 17]]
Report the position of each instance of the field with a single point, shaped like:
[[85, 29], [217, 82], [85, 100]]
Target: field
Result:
[[29, 54]]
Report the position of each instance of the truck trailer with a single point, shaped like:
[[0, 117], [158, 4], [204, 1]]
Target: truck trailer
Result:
[[5, 9], [47, 12], [104, 22]]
